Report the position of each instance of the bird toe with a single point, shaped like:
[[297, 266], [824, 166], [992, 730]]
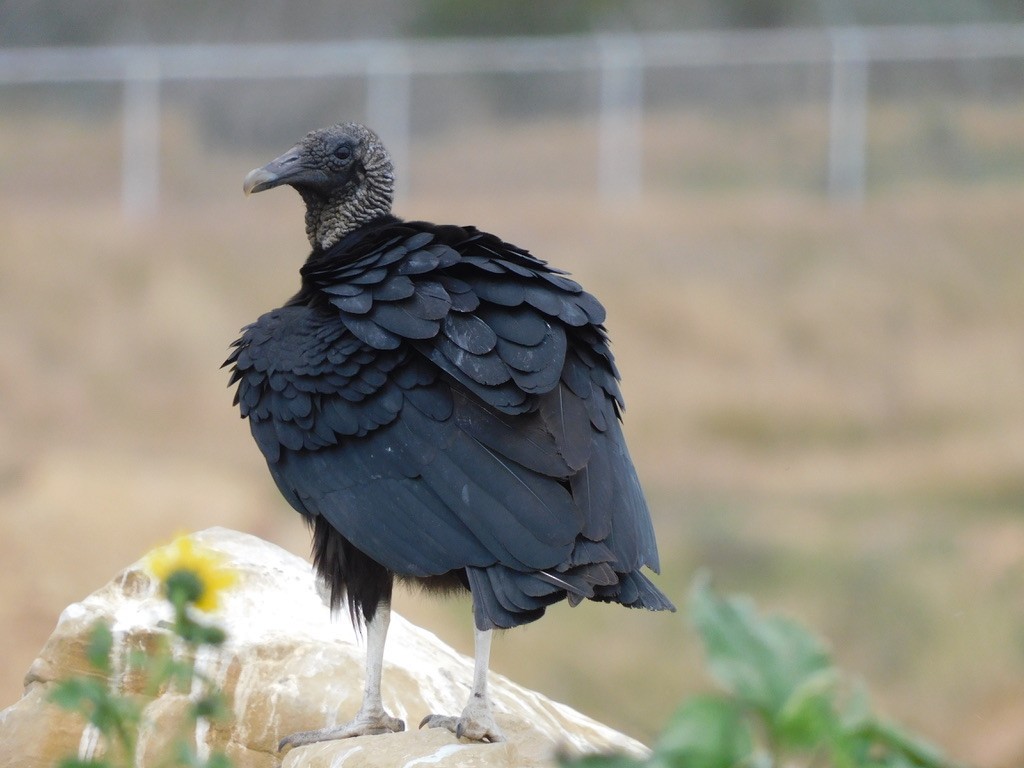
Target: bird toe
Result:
[[363, 725], [471, 727], [439, 721]]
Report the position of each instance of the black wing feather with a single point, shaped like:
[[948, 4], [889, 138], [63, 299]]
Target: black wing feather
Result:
[[469, 332], [448, 402]]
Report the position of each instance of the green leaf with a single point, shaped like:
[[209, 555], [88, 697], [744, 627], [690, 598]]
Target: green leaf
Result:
[[809, 717], [197, 633], [705, 732], [74, 762], [218, 760], [601, 761], [164, 670], [183, 586], [917, 752], [763, 661], [78, 694], [856, 714], [212, 706], [118, 718], [183, 754], [101, 643]]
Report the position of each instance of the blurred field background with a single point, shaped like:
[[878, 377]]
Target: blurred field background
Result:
[[824, 399]]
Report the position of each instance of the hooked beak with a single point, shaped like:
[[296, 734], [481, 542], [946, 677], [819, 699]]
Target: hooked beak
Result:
[[258, 179], [286, 169]]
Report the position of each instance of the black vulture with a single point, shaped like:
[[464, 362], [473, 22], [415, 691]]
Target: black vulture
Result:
[[440, 406]]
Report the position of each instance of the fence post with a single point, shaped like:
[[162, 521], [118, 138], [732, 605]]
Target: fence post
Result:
[[620, 142], [848, 112], [140, 137], [388, 93]]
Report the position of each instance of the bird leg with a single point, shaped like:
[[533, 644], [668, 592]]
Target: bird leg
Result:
[[371, 719], [477, 720]]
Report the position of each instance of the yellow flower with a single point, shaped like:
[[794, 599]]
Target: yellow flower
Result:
[[190, 573]]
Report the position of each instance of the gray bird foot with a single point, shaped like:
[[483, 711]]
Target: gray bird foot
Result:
[[371, 724], [476, 723]]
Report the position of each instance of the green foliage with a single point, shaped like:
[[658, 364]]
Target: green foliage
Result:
[[705, 732], [118, 716], [115, 717], [784, 703]]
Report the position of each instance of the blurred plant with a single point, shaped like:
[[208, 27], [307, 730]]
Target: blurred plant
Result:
[[192, 579], [785, 704]]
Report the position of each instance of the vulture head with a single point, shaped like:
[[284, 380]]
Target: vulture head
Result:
[[344, 175]]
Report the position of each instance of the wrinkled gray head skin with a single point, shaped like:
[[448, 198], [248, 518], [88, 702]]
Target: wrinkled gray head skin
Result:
[[344, 175]]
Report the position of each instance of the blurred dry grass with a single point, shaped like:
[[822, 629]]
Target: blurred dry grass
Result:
[[824, 403]]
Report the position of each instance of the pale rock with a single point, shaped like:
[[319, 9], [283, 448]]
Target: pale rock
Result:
[[287, 666]]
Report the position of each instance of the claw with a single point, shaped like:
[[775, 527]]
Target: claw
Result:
[[478, 726], [435, 721], [477, 719], [363, 725]]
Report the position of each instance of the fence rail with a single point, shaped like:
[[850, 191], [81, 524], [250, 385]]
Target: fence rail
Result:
[[388, 68]]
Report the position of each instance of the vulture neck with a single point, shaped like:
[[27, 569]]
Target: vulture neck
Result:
[[330, 218]]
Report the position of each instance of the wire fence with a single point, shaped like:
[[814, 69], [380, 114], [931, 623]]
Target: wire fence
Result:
[[627, 68]]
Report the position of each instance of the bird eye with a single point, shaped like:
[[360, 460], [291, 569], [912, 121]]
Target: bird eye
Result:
[[343, 152]]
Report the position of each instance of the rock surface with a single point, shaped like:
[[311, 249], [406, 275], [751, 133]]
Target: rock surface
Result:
[[287, 666]]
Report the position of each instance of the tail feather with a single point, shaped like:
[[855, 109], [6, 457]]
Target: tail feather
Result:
[[504, 598], [635, 590]]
